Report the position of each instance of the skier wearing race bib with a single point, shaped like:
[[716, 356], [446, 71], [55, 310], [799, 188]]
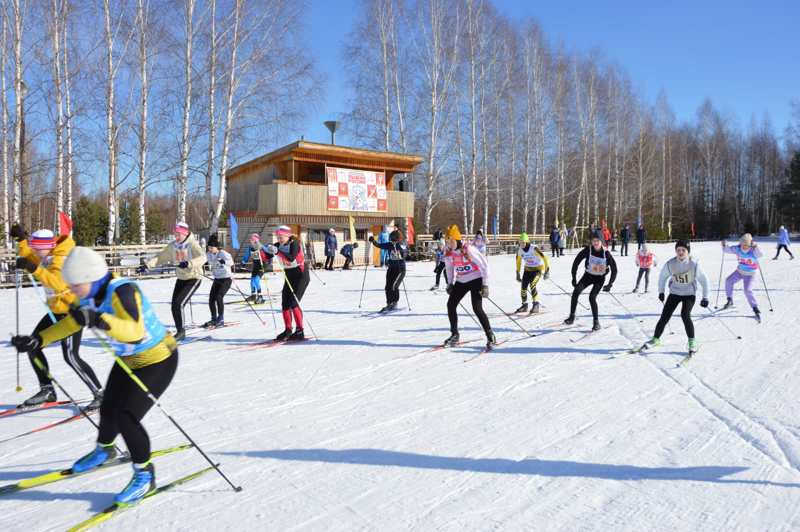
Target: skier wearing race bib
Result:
[[683, 273], [467, 272], [43, 256], [536, 266], [439, 249], [397, 251], [645, 260], [220, 262], [291, 259], [747, 253], [118, 308], [597, 263], [255, 253], [188, 257]]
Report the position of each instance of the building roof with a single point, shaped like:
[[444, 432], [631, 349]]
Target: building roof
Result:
[[334, 155]]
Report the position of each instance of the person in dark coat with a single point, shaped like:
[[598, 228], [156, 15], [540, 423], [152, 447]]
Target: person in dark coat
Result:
[[641, 236], [347, 253], [330, 248], [555, 237], [625, 235]]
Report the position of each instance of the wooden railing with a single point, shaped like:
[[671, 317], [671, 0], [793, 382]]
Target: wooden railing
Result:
[[297, 199]]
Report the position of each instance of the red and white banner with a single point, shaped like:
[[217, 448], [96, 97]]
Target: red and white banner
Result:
[[356, 190]]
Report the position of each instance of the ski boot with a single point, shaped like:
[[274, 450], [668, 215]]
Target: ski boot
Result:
[[534, 308], [635, 290], [284, 335], [491, 340], [297, 336], [757, 314], [693, 346], [45, 395], [97, 401], [251, 299], [260, 300], [522, 308], [452, 341], [653, 342], [179, 335], [210, 324], [220, 322], [728, 304], [596, 325], [142, 483], [389, 307], [100, 455], [570, 320], [434, 288]]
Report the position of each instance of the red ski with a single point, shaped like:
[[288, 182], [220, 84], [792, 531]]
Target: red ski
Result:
[[23, 409]]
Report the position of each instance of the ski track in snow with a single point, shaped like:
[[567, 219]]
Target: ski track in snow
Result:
[[368, 428]]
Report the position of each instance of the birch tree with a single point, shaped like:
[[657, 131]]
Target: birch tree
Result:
[[57, 21], [142, 17], [183, 175]]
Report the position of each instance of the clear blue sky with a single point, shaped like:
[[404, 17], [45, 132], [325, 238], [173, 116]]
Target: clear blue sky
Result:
[[744, 55]]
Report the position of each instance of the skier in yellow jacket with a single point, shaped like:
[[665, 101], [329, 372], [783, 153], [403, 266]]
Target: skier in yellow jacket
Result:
[[43, 255], [536, 266]]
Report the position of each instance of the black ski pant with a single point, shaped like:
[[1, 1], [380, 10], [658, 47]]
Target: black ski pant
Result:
[[125, 404], [348, 262], [530, 278], [553, 249], [596, 282], [623, 248], [216, 298], [783, 246], [457, 294], [69, 348], [329, 262], [294, 286], [181, 294], [670, 305], [394, 278], [438, 271], [643, 272]]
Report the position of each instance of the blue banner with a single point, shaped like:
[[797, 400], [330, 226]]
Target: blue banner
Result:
[[233, 227]]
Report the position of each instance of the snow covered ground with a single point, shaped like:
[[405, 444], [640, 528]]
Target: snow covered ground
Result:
[[358, 430]]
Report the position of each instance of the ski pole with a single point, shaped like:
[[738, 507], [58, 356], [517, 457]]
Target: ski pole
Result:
[[286, 278], [669, 325], [271, 307], [470, 315], [738, 337], [366, 265], [626, 309], [313, 260], [233, 282], [121, 363], [719, 281], [17, 282], [510, 317], [569, 294], [764, 281], [406, 292]]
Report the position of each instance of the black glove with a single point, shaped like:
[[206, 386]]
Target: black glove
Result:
[[26, 264], [221, 261], [449, 289], [88, 317], [183, 264], [704, 303], [26, 344], [371, 238], [519, 279], [574, 282], [607, 288], [141, 269], [18, 232], [661, 297]]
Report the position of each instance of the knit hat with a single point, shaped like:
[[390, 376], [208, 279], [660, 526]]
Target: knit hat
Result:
[[523, 237], [683, 244], [453, 233], [283, 230], [213, 241], [84, 265], [746, 239], [396, 236], [597, 234], [42, 239], [355, 245], [255, 236], [181, 228]]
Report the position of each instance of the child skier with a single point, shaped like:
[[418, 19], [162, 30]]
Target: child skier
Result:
[[189, 258], [119, 308], [783, 243], [43, 256], [747, 253], [467, 272], [290, 254], [255, 252], [439, 249], [683, 273], [536, 266], [645, 260], [597, 263], [347, 253], [396, 261], [220, 262]]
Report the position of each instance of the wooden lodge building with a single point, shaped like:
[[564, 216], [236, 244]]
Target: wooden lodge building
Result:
[[312, 187]]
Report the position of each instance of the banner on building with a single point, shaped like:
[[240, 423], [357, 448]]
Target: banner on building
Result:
[[356, 190]]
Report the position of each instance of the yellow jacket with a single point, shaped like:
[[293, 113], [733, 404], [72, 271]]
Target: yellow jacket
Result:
[[120, 326], [542, 267], [59, 297], [194, 255]]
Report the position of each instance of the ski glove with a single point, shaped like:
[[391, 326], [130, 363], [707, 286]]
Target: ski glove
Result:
[[449, 289], [271, 249], [88, 317], [26, 344], [183, 264], [18, 232], [141, 269], [607, 288], [704, 303], [371, 238], [519, 279], [484, 291], [661, 297], [221, 261], [26, 264]]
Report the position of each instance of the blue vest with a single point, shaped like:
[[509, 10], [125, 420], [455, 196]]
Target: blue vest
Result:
[[154, 331]]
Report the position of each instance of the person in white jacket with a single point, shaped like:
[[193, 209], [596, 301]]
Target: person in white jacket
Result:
[[467, 272], [188, 257], [220, 262]]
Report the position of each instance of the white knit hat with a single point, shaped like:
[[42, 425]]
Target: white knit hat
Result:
[[84, 265]]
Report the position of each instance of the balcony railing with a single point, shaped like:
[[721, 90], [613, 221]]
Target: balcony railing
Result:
[[292, 198]]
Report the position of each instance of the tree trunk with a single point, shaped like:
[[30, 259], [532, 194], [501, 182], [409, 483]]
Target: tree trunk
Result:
[[68, 173], [111, 144], [183, 177], [19, 122], [55, 39], [145, 89], [212, 118], [4, 153]]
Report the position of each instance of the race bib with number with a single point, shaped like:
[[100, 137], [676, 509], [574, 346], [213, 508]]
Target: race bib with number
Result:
[[596, 265]]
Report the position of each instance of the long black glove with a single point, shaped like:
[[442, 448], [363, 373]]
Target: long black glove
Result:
[[661, 297], [704, 303], [26, 344], [18, 232], [26, 264], [183, 264], [88, 317], [607, 288]]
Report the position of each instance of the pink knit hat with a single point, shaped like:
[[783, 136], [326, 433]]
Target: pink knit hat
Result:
[[256, 236], [42, 239], [182, 228], [283, 230]]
